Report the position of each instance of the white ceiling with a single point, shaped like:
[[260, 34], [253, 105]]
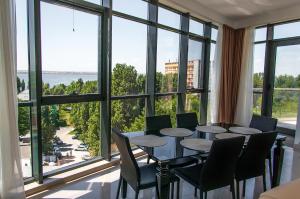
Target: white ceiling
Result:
[[240, 13]]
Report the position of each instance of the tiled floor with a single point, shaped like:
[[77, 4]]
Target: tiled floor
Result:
[[104, 185]]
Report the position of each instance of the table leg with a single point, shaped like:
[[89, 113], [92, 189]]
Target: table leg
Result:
[[179, 150], [163, 179], [278, 155], [124, 188]]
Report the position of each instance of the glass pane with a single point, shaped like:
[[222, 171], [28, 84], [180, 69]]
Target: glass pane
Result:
[[167, 61], [129, 51], [257, 102], [70, 134], [22, 51], [69, 46], [287, 30], [192, 103], [24, 124], [259, 64], [168, 18], [214, 34], [194, 68], [137, 8], [260, 34], [98, 2], [129, 116], [196, 27], [287, 86], [166, 105]]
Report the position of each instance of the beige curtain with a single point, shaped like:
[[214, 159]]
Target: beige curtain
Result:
[[232, 50], [11, 180]]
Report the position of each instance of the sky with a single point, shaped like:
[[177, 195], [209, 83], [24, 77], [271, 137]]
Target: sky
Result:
[[65, 49]]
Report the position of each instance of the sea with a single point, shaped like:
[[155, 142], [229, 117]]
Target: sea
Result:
[[54, 78]]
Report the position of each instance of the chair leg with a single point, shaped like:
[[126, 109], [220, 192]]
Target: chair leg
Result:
[[237, 189], [205, 195], [195, 193], [177, 191], [137, 194], [119, 187], [244, 188], [201, 194], [172, 190], [124, 188], [232, 190], [264, 181], [270, 169], [157, 190], [148, 159]]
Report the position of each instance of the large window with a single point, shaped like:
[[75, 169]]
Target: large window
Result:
[[69, 50], [167, 61], [287, 30], [129, 51], [77, 49]]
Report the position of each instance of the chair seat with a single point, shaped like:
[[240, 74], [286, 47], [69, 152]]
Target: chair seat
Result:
[[190, 174], [182, 162], [148, 175]]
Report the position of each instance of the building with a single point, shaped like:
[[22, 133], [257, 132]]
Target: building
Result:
[[193, 72]]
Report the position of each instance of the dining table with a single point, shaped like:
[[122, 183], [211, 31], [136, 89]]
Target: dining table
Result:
[[209, 129], [165, 152]]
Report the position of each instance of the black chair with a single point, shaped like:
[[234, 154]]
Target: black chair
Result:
[[153, 126], [265, 124], [187, 120], [138, 178], [218, 170], [252, 161]]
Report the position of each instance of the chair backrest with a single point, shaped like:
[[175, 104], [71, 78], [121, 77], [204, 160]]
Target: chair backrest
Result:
[[252, 161], [155, 123], [187, 120], [218, 170], [263, 123], [129, 167]]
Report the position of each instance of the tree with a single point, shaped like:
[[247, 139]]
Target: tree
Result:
[[48, 131], [23, 120]]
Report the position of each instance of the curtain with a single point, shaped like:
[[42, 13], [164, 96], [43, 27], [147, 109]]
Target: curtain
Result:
[[245, 96], [215, 73], [232, 49], [11, 180]]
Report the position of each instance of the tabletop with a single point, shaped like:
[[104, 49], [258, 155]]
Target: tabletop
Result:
[[231, 135], [176, 132], [148, 141], [197, 144], [244, 130], [211, 129]]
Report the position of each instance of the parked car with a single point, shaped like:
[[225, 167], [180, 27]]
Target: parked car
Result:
[[82, 147], [86, 157]]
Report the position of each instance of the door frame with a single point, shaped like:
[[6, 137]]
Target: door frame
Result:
[[269, 72]]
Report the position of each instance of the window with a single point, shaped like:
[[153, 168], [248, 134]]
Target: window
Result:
[[260, 34], [258, 76], [129, 116], [98, 2], [168, 18], [69, 50], [192, 103], [70, 134], [137, 8], [214, 34], [196, 27], [167, 61], [195, 65], [166, 105], [129, 48], [287, 30], [24, 120]]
